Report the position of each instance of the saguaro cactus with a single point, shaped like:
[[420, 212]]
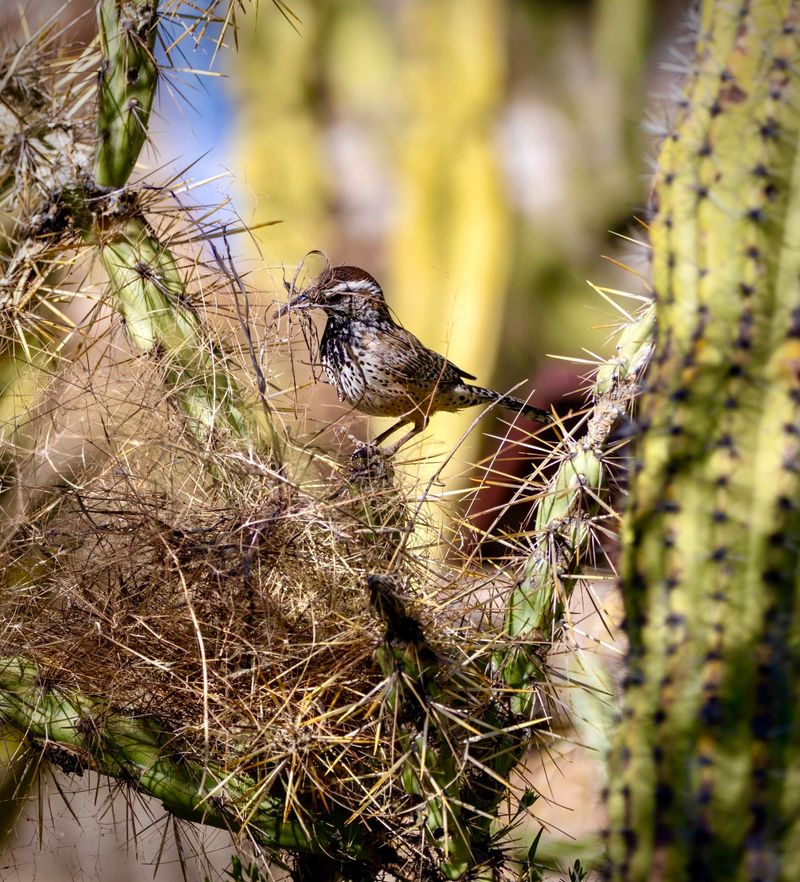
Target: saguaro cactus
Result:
[[704, 771]]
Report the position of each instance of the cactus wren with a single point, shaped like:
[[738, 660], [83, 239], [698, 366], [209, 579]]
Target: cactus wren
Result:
[[379, 367]]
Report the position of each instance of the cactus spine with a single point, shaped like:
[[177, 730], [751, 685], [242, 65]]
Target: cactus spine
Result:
[[704, 770]]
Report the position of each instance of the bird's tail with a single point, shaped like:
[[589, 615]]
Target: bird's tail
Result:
[[479, 395]]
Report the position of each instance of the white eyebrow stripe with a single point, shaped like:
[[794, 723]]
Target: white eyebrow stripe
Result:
[[362, 285]]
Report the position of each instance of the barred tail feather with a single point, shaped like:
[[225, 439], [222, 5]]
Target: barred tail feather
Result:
[[479, 395]]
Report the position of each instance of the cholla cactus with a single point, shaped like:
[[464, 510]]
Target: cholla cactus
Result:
[[209, 615], [702, 783], [567, 514]]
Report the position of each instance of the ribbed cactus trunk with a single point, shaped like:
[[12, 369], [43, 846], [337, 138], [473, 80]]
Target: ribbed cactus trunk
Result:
[[705, 769]]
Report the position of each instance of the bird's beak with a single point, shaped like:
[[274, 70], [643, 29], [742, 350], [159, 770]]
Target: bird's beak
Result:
[[302, 301]]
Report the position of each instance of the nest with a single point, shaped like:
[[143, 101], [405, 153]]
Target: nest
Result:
[[227, 598]]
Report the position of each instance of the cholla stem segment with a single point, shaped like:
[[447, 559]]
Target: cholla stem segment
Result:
[[150, 294], [564, 517], [145, 281], [704, 771], [430, 769], [79, 732], [127, 86]]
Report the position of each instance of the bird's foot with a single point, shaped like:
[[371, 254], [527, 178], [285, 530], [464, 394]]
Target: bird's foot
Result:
[[371, 461]]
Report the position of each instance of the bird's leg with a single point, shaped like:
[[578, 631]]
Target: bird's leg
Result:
[[419, 425], [390, 431], [364, 453], [380, 463]]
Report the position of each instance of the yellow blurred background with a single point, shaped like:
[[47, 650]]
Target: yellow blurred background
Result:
[[471, 155]]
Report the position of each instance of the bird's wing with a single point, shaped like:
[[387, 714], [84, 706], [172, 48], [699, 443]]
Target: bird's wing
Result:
[[416, 354], [463, 374]]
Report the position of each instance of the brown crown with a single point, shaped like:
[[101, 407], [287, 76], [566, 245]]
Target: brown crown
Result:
[[350, 274], [354, 276]]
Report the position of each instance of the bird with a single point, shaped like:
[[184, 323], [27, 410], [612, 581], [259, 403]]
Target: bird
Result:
[[379, 367]]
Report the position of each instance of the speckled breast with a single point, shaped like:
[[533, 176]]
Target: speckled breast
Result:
[[366, 378]]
